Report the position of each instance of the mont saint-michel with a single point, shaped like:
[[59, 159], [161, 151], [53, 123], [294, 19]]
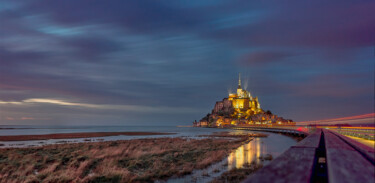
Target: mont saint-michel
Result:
[[109, 91], [240, 109]]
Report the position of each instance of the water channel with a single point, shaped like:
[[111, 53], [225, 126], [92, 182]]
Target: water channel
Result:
[[274, 144]]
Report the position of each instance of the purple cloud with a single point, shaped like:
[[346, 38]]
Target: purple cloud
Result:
[[263, 57], [187, 54]]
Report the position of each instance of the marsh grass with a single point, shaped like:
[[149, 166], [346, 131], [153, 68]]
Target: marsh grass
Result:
[[237, 174], [138, 160]]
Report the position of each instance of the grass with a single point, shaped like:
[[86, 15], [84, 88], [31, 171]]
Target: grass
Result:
[[138, 160], [238, 174]]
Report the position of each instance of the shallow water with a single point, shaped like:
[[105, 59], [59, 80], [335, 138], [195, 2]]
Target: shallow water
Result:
[[274, 144], [38, 130]]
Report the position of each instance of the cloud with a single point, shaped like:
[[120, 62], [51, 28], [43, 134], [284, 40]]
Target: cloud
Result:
[[10, 102], [182, 56], [264, 57], [319, 24], [128, 108], [334, 86], [20, 118]]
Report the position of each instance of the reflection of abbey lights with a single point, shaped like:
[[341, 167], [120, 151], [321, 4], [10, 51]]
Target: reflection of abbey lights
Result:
[[247, 154]]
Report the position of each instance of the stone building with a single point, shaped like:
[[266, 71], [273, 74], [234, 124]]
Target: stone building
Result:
[[239, 108]]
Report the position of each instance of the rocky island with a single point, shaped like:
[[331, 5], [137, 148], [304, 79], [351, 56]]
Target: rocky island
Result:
[[240, 109]]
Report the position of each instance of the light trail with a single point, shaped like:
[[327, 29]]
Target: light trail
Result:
[[358, 119]]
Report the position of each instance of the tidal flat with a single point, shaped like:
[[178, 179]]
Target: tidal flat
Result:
[[137, 160], [75, 135]]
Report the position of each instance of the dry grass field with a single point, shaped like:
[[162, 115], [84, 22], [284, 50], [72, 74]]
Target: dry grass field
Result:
[[139, 160]]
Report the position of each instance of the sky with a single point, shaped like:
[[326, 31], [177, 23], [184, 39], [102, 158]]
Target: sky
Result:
[[94, 62]]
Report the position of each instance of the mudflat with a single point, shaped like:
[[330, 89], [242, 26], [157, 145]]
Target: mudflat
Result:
[[75, 135]]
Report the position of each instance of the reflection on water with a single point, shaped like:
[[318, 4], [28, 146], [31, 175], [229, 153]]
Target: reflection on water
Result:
[[247, 153], [274, 144]]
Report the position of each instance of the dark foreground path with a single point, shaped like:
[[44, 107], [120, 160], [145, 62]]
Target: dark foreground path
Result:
[[323, 156]]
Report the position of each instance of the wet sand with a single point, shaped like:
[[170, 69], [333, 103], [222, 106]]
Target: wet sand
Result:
[[76, 135]]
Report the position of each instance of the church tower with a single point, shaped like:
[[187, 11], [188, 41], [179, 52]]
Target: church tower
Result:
[[239, 89]]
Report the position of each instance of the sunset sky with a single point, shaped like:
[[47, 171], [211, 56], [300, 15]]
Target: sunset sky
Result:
[[95, 62]]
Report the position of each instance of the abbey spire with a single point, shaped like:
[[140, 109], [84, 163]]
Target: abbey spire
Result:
[[239, 80]]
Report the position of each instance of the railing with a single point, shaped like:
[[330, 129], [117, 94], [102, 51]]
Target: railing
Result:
[[299, 130], [323, 156], [367, 133]]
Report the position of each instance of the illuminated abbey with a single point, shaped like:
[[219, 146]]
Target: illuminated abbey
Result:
[[243, 103], [240, 108]]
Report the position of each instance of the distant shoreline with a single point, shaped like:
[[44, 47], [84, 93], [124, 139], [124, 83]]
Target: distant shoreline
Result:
[[76, 135]]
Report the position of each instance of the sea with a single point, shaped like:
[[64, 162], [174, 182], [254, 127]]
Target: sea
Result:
[[38, 130], [7, 130]]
